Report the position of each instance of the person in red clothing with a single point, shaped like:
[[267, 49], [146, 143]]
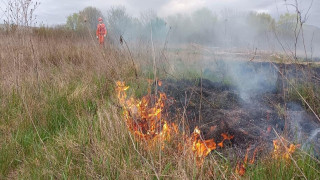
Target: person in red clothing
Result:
[[101, 31]]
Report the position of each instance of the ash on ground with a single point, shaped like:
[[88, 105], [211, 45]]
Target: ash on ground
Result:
[[218, 108]]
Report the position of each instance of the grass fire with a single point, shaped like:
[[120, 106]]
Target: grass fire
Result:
[[147, 123], [188, 90]]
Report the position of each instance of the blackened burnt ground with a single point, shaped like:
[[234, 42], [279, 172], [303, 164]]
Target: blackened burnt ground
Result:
[[216, 108]]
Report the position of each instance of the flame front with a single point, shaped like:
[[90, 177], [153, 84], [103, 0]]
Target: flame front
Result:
[[200, 147], [225, 137], [144, 119], [283, 149]]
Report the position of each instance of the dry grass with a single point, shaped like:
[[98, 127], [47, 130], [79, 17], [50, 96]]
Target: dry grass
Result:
[[50, 85]]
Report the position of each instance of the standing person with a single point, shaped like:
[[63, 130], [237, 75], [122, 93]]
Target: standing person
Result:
[[101, 32]]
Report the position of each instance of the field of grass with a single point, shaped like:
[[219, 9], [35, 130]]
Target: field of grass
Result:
[[60, 117]]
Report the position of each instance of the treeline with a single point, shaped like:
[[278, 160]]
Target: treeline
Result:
[[119, 23], [228, 28]]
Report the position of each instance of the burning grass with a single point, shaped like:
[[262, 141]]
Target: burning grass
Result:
[[146, 119]]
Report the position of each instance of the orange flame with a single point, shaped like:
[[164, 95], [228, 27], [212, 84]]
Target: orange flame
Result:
[[144, 118], [240, 169], [254, 155], [225, 137], [241, 166], [283, 149], [201, 147]]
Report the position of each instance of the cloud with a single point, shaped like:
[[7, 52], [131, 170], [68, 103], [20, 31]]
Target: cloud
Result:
[[55, 11], [181, 6]]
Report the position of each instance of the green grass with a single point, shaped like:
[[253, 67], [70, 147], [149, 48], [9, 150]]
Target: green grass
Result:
[[309, 91], [285, 169]]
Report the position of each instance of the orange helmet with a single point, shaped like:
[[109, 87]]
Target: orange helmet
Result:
[[99, 19]]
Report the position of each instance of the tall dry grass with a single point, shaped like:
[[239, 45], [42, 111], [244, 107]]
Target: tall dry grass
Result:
[[56, 95]]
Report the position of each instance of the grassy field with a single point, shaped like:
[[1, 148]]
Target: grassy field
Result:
[[60, 117]]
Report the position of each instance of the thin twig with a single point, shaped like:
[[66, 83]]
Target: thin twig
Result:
[[134, 65]]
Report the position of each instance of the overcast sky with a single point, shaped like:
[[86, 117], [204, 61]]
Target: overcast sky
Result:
[[52, 12]]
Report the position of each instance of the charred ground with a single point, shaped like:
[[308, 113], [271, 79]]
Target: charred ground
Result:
[[252, 115]]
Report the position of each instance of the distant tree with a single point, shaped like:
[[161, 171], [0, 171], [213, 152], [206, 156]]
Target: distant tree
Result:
[[203, 21], [181, 27], [73, 21], [262, 22], [199, 27], [146, 17], [118, 21], [90, 16], [286, 25], [287, 19], [260, 26], [204, 18], [159, 26]]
